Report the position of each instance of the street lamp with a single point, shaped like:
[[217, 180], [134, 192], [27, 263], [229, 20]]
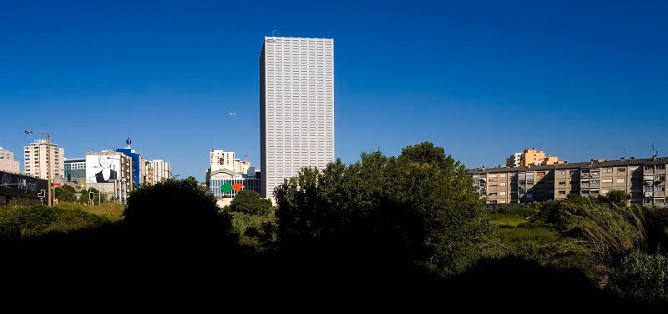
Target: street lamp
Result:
[[48, 163]]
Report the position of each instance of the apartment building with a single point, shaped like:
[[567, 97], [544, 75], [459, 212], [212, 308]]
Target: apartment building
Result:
[[532, 157], [644, 180], [7, 162], [162, 170], [41, 158]]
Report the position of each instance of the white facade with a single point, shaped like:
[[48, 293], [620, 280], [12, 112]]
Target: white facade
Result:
[[35, 160], [220, 159], [296, 107], [162, 170], [111, 173], [7, 162]]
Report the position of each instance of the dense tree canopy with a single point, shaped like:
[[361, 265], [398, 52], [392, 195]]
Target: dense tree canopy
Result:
[[250, 202], [421, 203], [177, 209], [65, 193]]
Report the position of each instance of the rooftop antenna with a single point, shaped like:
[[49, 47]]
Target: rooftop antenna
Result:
[[653, 150], [273, 33]]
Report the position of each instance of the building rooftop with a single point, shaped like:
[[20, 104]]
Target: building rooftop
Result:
[[594, 163]]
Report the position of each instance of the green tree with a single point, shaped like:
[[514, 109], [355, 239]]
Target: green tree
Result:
[[65, 193], [250, 202], [421, 204], [615, 197], [178, 211]]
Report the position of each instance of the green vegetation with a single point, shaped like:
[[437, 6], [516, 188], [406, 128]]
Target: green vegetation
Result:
[[421, 204], [255, 231], [111, 211], [250, 202], [617, 247], [65, 193], [99, 198], [23, 222], [407, 221]]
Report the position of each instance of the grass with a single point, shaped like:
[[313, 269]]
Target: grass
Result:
[[508, 221], [538, 235], [22, 222], [111, 211]]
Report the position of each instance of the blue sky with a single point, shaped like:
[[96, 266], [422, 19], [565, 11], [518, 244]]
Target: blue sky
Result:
[[579, 79]]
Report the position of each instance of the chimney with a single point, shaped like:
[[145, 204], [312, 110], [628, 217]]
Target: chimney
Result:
[[632, 157]]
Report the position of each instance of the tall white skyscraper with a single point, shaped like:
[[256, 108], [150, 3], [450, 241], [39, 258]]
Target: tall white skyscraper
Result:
[[296, 107]]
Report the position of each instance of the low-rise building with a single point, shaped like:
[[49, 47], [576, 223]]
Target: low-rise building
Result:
[[75, 170], [644, 180], [228, 175], [7, 162]]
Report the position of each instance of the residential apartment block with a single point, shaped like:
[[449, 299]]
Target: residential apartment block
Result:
[[644, 180], [532, 157], [7, 162], [160, 171], [38, 164]]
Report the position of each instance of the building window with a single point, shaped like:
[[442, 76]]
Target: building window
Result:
[[621, 169]]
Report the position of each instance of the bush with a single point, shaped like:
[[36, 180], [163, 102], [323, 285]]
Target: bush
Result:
[[256, 231], [641, 276], [607, 232]]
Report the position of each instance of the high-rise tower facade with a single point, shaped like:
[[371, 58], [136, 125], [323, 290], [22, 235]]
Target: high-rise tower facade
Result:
[[296, 107]]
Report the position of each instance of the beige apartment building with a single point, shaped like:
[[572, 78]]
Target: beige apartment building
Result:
[[644, 180], [7, 162], [36, 160], [532, 157]]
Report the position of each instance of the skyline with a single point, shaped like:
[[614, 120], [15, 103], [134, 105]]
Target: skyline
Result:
[[181, 79]]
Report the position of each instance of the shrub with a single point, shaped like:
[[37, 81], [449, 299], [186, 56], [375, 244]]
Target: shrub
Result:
[[642, 276]]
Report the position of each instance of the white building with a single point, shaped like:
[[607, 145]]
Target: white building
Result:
[[220, 159], [296, 107], [36, 161], [162, 170], [7, 162], [111, 173]]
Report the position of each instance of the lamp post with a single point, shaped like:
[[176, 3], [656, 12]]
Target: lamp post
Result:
[[48, 163]]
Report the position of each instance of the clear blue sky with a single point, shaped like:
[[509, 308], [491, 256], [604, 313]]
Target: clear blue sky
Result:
[[580, 79]]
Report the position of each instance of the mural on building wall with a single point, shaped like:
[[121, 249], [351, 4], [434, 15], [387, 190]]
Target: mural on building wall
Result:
[[102, 168], [227, 187]]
